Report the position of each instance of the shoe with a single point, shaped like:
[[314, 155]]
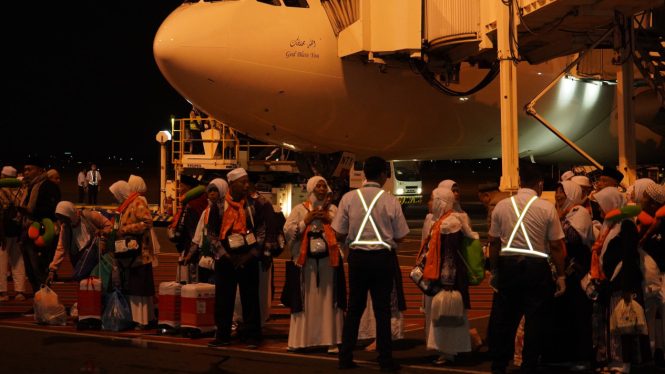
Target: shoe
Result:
[[295, 350], [4, 298], [581, 366], [19, 297], [219, 343], [391, 368], [347, 365], [252, 345], [333, 350]]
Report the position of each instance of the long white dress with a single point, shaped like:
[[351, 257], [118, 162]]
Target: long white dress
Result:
[[319, 324], [368, 323]]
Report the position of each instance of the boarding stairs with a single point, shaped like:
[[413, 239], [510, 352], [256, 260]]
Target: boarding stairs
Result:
[[650, 52]]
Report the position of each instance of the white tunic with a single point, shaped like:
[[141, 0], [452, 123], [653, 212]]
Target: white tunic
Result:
[[319, 324], [367, 328]]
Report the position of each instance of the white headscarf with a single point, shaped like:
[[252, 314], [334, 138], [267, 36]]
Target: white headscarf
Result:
[[641, 186], [137, 184], [567, 175], [609, 199], [578, 218], [449, 184], [222, 186], [236, 174], [311, 184], [121, 191], [82, 234], [442, 203]]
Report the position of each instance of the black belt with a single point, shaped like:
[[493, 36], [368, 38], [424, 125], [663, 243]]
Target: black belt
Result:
[[521, 258]]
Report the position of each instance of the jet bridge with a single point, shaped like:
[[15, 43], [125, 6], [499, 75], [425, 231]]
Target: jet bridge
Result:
[[435, 36]]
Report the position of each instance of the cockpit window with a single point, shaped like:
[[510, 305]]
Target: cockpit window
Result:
[[270, 2], [296, 3]]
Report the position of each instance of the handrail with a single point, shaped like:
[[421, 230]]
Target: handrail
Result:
[[530, 110]]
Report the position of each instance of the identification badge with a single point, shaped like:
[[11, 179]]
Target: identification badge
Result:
[[317, 245], [250, 238], [120, 246], [236, 241]]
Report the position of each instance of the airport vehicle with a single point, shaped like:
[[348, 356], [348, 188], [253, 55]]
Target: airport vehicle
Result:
[[404, 181]]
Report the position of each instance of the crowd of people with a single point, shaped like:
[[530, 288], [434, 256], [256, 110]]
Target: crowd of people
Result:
[[558, 271]]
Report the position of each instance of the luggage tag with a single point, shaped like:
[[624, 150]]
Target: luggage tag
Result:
[[236, 241], [251, 239]]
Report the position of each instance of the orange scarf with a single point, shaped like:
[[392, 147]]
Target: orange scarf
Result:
[[234, 217], [652, 225], [596, 270], [129, 200], [333, 247], [432, 269]]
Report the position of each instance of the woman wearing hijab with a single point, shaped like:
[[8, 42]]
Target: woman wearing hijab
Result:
[[452, 186], [137, 184], [317, 317], [617, 242], [54, 176], [133, 219], [443, 264], [571, 340], [635, 196], [187, 219], [215, 190], [78, 229]]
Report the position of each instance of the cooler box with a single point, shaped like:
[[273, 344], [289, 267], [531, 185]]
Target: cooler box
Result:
[[169, 305], [89, 299], [198, 309]]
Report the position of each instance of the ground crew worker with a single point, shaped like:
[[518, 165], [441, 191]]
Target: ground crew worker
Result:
[[490, 195], [525, 231], [195, 132], [93, 179], [371, 224]]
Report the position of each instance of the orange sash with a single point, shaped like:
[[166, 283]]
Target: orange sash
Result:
[[129, 200], [333, 247], [234, 217], [432, 269], [596, 270]]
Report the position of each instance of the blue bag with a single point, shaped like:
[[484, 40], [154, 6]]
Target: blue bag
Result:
[[87, 262], [117, 315]]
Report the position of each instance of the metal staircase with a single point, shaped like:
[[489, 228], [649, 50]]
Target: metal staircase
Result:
[[650, 54]]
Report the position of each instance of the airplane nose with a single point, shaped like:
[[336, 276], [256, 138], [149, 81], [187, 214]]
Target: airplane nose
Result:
[[190, 49]]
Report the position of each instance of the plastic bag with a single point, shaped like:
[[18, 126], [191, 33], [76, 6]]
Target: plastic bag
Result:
[[117, 314], [48, 309], [448, 309], [474, 259], [628, 319]]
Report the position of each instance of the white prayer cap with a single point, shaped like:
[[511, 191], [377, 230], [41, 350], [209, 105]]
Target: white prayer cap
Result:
[[581, 180], [236, 174], [9, 171], [567, 175]]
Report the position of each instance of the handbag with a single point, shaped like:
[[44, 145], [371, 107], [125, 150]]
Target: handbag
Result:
[[429, 288], [473, 257], [206, 261], [628, 319], [447, 309], [128, 247], [87, 262]]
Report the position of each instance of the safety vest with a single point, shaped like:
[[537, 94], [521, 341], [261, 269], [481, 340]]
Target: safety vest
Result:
[[368, 217], [518, 225]]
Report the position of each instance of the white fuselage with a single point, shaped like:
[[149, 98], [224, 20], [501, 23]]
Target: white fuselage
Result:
[[273, 73]]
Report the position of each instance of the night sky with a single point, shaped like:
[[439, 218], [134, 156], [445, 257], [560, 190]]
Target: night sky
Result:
[[80, 76]]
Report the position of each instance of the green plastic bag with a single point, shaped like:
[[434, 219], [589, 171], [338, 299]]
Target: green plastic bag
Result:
[[103, 271], [473, 255]]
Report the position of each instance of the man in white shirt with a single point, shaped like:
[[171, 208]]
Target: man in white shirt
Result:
[[81, 186], [520, 270], [372, 239], [93, 179]]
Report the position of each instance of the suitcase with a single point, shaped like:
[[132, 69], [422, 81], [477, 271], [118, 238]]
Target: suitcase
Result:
[[198, 310], [89, 304], [169, 308]]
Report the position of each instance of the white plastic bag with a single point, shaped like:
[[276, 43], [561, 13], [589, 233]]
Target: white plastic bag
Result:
[[448, 309], [628, 319], [48, 309]]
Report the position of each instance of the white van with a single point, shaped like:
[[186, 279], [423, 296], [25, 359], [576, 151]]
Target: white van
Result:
[[404, 180]]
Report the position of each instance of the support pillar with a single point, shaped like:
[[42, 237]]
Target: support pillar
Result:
[[162, 181], [626, 102], [508, 79]]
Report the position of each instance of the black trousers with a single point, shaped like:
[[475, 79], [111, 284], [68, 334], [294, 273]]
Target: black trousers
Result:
[[526, 289], [81, 194], [369, 271], [227, 280], [36, 260], [92, 193]]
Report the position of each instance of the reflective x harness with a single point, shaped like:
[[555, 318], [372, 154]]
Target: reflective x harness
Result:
[[368, 216], [518, 225]]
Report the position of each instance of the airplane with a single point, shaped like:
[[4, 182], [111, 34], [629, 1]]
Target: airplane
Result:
[[272, 72]]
